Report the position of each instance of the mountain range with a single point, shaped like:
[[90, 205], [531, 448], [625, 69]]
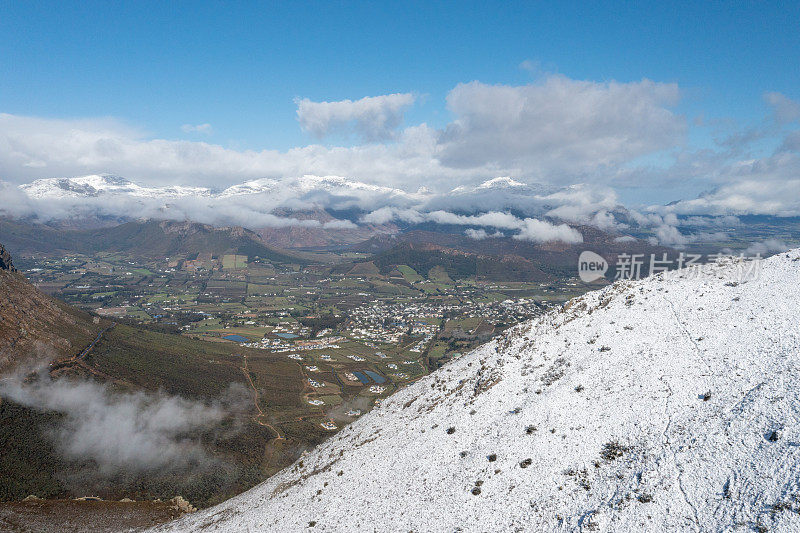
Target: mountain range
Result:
[[143, 238], [303, 212], [331, 213], [95, 185], [313, 213], [500, 229]]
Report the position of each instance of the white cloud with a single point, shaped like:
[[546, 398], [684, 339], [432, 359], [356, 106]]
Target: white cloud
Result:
[[390, 213], [752, 196], [32, 148], [584, 204], [537, 137], [542, 231], [559, 125], [374, 118], [480, 234], [529, 229], [205, 129], [557, 130], [766, 247], [491, 219], [666, 230], [124, 431], [339, 224], [554, 131], [763, 185]]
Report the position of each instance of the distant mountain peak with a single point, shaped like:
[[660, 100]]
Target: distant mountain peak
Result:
[[503, 182]]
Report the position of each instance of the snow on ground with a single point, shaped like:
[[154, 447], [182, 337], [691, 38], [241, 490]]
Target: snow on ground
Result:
[[666, 404]]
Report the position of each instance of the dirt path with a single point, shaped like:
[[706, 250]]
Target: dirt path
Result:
[[255, 401]]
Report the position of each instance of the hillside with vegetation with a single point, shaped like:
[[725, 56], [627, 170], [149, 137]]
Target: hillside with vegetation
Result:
[[143, 238], [88, 406]]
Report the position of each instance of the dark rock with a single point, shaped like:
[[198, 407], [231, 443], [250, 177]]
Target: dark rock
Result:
[[5, 260]]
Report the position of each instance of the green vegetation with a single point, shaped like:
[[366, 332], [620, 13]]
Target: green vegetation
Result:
[[233, 261], [29, 462], [409, 274], [158, 361], [439, 275]]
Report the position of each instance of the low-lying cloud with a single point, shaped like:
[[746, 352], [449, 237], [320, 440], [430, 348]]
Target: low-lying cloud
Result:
[[528, 229], [766, 247], [480, 234], [123, 432]]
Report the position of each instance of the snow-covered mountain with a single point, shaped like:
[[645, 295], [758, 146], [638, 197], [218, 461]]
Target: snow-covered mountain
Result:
[[111, 195], [327, 191], [669, 404], [104, 184], [108, 184], [281, 207], [307, 184], [272, 203]]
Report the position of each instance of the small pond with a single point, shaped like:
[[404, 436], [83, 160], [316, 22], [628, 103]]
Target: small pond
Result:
[[361, 377], [375, 376]]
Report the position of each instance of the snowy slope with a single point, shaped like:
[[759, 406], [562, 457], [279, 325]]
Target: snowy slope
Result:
[[667, 404]]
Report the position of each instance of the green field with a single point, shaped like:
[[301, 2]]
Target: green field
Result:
[[439, 275], [234, 261], [409, 274]]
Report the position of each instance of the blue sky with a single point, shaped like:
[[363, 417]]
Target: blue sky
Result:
[[238, 66], [139, 75]]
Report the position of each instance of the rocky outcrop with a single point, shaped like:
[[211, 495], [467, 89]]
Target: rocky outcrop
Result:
[[5, 260]]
